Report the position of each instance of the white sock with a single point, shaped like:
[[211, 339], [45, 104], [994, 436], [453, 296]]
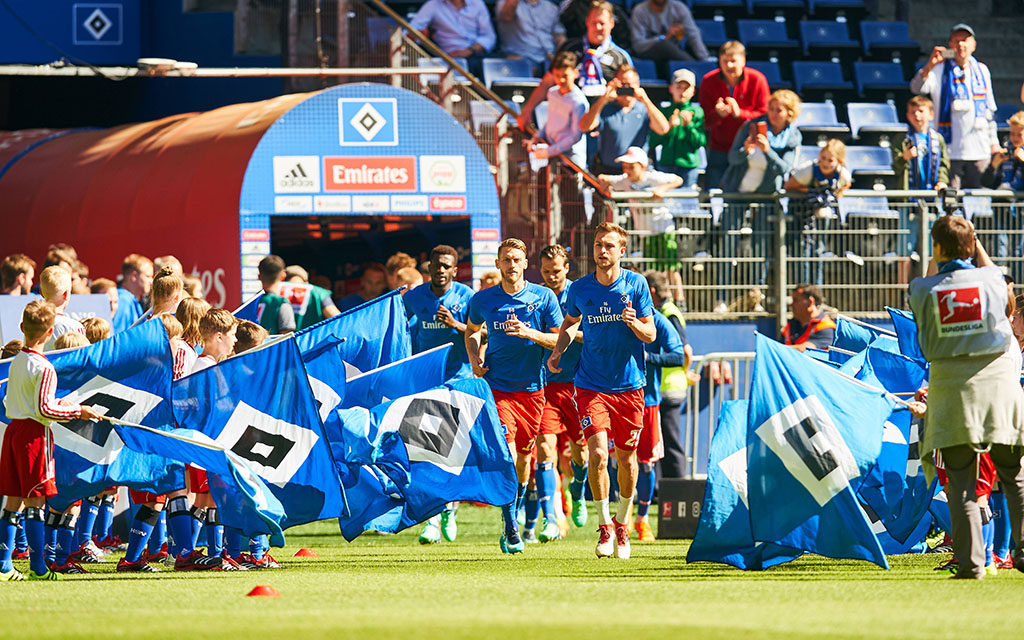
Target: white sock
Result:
[[625, 509], [604, 515]]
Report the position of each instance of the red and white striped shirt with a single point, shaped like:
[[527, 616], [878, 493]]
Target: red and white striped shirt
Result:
[[184, 359], [32, 388]]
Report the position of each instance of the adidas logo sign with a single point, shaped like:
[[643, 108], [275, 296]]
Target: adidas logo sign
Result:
[[296, 174]]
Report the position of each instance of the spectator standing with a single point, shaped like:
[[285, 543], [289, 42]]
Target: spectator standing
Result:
[[680, 147], [730, 96], [574, 14], [529, 30], [621, 121], [136, 282], [762, 155], [962, 88], [810, 326], [462, 28], [16, 274], [566, 106], [599, 58], [664, 30]]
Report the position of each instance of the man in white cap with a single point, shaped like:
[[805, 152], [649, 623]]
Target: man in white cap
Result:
[[636, 176], [961, 89], [680, 147]]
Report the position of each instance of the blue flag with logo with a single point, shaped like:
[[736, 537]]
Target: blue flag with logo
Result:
[[856, 336], [249, 309], [895, 489], [259, 406], [413, 374], [906, 333], [451, 447], [723, 532], [127, 377], [813, 434], [244, 502], [374, 501]]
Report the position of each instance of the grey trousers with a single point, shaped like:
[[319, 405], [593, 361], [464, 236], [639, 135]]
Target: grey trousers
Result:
[[961, 464], [966, 174]]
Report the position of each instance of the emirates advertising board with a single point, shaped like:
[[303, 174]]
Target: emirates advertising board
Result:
[[367, 149]]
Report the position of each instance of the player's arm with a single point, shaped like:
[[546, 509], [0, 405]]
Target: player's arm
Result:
[[642, 328], [474, 341], [566, 334], [445, 316], [545, 339], [329, 309]]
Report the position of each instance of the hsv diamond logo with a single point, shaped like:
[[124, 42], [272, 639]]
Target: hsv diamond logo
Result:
[[275, 449], [373, 173], [97, 24], [296, 174], [435, 426], [959, 310], [367, 122]]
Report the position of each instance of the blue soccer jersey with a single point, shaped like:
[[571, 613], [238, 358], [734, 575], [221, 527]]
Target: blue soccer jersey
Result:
[[428, 332], [571, 355], [516, 364], [612, 360], [666, 351]]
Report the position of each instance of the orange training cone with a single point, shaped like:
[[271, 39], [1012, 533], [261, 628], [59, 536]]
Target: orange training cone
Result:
[[306, 553], [264, 590]]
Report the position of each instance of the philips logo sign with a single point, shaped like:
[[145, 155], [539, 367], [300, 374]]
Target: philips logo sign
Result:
[[378, 173]]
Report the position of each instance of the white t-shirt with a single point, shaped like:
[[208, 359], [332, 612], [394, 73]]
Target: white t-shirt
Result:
[[757, 164], [804, 174], [203, 362], [62, 324], [653, 219], [972, 137]]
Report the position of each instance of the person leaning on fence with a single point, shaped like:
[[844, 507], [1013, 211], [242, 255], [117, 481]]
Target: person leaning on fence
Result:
[[680, 147], [824, 179], [654, 222], [810, 326], [1007, 172], [961, 88], [624, 116], [975, 402]]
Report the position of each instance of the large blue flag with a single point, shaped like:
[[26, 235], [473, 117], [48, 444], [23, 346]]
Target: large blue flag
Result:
[[374, 502], [249, 309], [723, 532], [906, 333], [855, 336], [453, 449], [128, 377], [244, 502], [259, 405], [812, 436], [895, 489], [412, 375]]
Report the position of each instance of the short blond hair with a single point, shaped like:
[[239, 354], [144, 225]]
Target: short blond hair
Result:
[[96, 329], [71, 340], [190, 313], [171, 325], [134, 262], [836, 147], [611, 227], [512, 243], [54, 282], [168, 261], [216, 321], [1016, 120], [788, 99], [732, 48], [37, 319], [102, 285], [409, 276]]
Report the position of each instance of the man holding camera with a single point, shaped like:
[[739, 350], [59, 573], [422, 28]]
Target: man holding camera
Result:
[[961, 88], [622, 123]]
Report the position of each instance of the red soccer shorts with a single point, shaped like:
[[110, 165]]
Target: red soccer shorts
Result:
[[651, 447], [197, 482], [621, 415], [26, 461], [520, 412], [142, 497], [560, 412]]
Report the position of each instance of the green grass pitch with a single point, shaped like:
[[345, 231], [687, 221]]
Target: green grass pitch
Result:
[[392, 587]]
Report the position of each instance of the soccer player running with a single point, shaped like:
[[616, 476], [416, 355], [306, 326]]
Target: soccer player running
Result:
[[521, 320], [560, 409], [614, 309]]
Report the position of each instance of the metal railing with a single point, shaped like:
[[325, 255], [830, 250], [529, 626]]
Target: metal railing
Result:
[[723, 376], [729, 255]]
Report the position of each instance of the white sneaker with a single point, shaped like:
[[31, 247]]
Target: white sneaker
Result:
[[621, 540], [604, 541], [100, 553]]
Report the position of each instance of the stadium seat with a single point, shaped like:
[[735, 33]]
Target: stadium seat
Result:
[[699, 68], [644, 68], [786, 11], [818, 122], [881, 82], [874, 123], [495, 68], [851, 11], [871, 166], [767, 40], [828, 40], [439, 62], [771, 73], [712, 32], [1003, 113], [484, 113], [821, 81], [379, 30], [885, 41], [806, 153], [515, 90], [727, 10]]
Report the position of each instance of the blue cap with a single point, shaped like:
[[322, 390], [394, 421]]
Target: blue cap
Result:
[[963, 26]]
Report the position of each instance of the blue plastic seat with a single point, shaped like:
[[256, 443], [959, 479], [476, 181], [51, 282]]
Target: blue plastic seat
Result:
[[881, 81], [821, 81], [646, 69], [818, 122], [828, 40], [882, 38], [870, 166], [728, 10], [772, 74], [712, 32], [852, 11], [872, 123], [1003, 113], [500, 68], [782, 10]]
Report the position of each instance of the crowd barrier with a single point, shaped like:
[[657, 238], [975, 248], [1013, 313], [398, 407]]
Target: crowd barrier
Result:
[[723, 376]]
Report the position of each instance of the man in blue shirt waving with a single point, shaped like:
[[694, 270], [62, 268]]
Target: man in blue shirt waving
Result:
[[521, 320], [615, 310]]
